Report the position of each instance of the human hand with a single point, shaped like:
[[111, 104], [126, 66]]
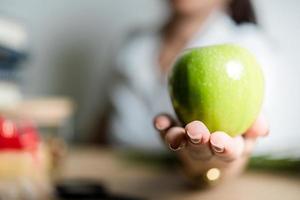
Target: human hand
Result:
[[201, 150]]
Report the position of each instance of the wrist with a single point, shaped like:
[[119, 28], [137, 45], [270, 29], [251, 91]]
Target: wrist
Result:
[[212, 171]]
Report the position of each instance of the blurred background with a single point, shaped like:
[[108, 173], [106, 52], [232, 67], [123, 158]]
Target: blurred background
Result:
[[56, 64], [71, 44], [70, 47]]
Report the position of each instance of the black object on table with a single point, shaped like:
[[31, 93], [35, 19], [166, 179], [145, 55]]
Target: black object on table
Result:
[[79, 189]]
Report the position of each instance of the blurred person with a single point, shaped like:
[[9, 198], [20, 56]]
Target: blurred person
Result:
[[141, 91]]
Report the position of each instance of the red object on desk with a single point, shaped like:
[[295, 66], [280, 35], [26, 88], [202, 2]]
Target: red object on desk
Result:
[[18, 136]]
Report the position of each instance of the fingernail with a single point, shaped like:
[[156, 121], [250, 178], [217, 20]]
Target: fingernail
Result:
[[218, 148], [182, 144], [160, 126], [194, 140]]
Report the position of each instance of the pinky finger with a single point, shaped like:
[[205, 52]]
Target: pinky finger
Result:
[[260, 128]]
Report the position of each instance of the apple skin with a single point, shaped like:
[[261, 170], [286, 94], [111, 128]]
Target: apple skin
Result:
[[220, 85]]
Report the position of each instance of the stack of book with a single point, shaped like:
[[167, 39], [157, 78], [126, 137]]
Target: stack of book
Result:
[[13, 39]]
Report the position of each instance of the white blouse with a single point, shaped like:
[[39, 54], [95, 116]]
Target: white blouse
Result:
[[142, 92]]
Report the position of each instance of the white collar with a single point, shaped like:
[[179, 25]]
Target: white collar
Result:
[[218, 28]]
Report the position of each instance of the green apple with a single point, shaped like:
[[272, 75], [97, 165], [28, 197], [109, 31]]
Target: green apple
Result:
[[220, 85]]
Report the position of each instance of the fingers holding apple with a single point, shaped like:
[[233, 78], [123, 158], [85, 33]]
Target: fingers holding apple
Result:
[[260, 128], [203, 145], [194, 136], [198, 141], [198, 137], [225, 147], [162, 123]]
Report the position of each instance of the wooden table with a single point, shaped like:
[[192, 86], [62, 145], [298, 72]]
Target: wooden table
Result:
[[154, 183]]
